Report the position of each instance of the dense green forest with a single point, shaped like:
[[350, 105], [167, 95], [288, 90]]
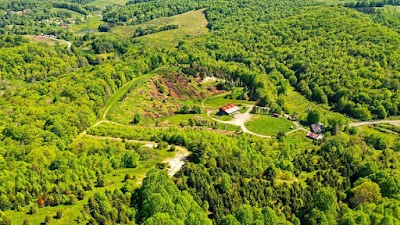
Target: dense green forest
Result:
[[66, 159]]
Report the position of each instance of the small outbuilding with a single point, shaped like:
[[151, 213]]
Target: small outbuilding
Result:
[[276, 115], [318, 128], [228, 109], [315, 136]]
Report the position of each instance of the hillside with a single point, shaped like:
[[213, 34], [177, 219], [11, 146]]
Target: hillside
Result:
[[199, 112]]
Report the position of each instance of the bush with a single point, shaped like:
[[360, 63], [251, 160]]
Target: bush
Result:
[[58, 214]]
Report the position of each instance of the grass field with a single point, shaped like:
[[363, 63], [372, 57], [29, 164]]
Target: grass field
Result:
[[190, 24], [90, 24], [297, 103], [268, 125], [73, 13], [104, 3]]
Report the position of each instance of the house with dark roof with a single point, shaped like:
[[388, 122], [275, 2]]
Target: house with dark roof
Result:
[[228, 109], [318, 128]]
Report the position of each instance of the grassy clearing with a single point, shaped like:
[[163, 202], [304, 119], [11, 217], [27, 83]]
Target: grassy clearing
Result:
[[73, 13], [113, 101], [90, 24], [37, 38], [104, 3], [268, 125], [190, 24], [218, 101], [299, 141], [390, 137], [297, 103]]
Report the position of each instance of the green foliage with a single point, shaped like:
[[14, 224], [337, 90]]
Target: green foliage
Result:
[[367, 192], [136, 118], [335, 56], [314, 116]]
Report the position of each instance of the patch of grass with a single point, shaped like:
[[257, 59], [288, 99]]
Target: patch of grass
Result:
[[113, 101], [297, 103], [390, 137], [299, 141], [218, 101], [104, 3], [190, 24], [268, 125], [73, 13], [222, 117], [90, 24]]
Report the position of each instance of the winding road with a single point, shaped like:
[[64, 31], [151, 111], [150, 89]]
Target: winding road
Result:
[[181, 154], [175, 163], [359, 124], [69, 44], [239, 120]]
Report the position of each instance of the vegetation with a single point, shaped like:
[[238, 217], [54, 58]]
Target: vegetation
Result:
[[268, 125], [87, 131]]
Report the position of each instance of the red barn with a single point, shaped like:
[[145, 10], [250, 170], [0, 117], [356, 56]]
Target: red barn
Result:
[[228, 109]]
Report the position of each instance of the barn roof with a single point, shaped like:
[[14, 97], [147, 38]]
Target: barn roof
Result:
[[230, 108]]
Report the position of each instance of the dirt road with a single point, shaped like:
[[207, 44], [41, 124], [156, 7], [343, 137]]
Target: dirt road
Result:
[[69, 44], [175, 163], [240, 120]]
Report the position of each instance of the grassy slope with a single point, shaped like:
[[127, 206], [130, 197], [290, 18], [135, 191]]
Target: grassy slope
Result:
[[190, 24], [216, 102], [297, 103], [73, 13], [91, 23], [104, 3], [113, 101]]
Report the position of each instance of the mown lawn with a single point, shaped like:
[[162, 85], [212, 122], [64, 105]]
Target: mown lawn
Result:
[[268, 125]]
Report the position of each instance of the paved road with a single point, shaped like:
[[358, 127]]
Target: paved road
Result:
[[359, 124]]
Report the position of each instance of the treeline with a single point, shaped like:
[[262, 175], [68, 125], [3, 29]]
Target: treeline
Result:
[[71, 6], [318, 58], [50, 95], [157, 201], [234, 177], [152, 29], [371, 4], [144, 11], [137, 1]]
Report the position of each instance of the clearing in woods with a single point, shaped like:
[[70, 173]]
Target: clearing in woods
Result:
[[190, 24], [104, 3], [268, 125]]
